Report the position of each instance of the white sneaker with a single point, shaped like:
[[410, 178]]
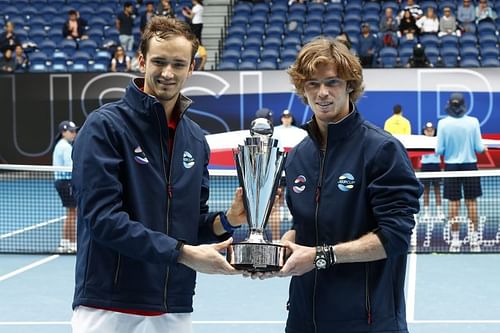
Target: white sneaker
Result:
[[455, 245], [66, 246], [440, 213], [474, 242]]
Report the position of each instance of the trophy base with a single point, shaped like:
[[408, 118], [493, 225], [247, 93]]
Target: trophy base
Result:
[[256, 257]]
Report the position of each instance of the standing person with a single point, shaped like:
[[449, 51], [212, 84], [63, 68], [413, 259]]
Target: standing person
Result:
[[164, 9], [195, 16], [200, 57], [142, 185], [397, 124], [62, 157], [125, 25], [432, 163], [352, 192], [148, 14], [458, 140]]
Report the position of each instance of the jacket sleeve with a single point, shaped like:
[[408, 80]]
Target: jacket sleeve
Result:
[[206, 234], [97, 165], [393, 192]]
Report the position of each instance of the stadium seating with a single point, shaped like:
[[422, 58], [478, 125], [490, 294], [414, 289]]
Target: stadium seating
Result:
[[388, 57]]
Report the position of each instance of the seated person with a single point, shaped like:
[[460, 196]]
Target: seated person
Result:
[[74, 28]]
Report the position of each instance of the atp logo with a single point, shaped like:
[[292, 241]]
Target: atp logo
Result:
[[299, 184], [346, 182], [188, 160]]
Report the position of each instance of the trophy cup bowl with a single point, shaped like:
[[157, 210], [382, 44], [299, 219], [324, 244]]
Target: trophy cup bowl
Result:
[[259, 164]]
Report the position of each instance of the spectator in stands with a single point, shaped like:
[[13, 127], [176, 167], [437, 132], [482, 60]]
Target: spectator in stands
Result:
[[484, 13], [431, 163], [21, 59], [466, 16], [367, 46], [428, 24], [164, 9], [200, 57], [8, 38], [74, 27], [7, 63], [120, 61], [407, 26], [414, 9], [397, 124], [388, 28], [144, 223], [418, 58], [148, 14], [458, 140], [61, 157], [125, 25], [134, 62], [343, 37], [264, 113], [448, 24], [195, 17]]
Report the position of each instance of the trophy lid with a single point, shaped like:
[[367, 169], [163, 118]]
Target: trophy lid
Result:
[[261, 127]]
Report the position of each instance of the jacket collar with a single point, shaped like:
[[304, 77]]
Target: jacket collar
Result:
[[142, 102], [336, 131]]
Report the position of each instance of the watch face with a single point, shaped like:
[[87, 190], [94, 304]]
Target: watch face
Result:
[[321, 263]]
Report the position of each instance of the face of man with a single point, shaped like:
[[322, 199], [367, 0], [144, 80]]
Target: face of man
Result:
[[327, 95], [286, 121], [167, 67]]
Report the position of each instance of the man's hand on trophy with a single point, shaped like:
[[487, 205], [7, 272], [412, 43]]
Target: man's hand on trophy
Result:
[[236, 214], [300, 261], [207, 258]]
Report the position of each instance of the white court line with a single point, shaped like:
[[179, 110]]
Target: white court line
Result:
[[39, 225], [254, 322], [28, 267], [412, 282]]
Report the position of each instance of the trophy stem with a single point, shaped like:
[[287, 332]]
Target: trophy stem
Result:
[[257, 236]]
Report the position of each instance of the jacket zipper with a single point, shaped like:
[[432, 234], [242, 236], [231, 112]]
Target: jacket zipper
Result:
[[317, 197], [367, 293], [169, 192], [117, 272]]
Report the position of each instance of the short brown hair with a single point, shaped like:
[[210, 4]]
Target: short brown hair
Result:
[[165, 28], [323, 50]]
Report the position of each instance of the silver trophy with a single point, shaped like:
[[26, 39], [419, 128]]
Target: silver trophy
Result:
[[259, 163]]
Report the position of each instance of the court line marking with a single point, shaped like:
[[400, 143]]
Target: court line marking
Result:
[[28, 267], [35, 226], [412, 286], [252, 322]]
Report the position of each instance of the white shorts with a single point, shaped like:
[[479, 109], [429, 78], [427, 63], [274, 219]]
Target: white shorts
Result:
[[90, 320]]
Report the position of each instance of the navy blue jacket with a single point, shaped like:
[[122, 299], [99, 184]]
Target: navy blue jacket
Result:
[[364, 183], [134, 204]]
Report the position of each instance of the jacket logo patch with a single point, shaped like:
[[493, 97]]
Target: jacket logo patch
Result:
[[299, 184], [346, 182], [140, 157], [188, 160]]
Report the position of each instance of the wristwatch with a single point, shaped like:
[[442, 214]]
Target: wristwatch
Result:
[[321, 261]]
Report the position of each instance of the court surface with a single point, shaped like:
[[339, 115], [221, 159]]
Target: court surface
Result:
[[452, 293]]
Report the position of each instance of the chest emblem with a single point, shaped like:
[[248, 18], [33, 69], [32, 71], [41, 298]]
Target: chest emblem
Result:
[[139, 156], [187, 160], [346, 182], [299, 184]]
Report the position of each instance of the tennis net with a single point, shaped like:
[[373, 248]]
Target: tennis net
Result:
[[32, 215]]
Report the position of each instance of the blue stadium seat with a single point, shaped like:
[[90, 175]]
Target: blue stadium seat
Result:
[[297, 17], [488, 40], [314, 18], [242, 7], [277, 19], [332, 19], [247, 65], [38, 58], [231, 55], [405, 52], [371, 7], [88, 46], [335, 7], [449, 56], [270, 55], [352, 19], [469, 51], [288, 54], [352, 29], [256, 31], [486, 28], [275, 31], [236, 32], [252, 42], [111, 33], [353, 7], [87, 12], [251, 55], [490, 62], [47, 46], [294, 29], [391, 4], [313, 29], [81, 57], [291, 41], [468, 39], [315, 7], [239, 20], [38, 23], [285, 64], [59, 68], [95, 34], [55, 35], [267, 65], [50, 12], [261, 8], [29, 13], [371, 18], [67, 46], [449, 40], [271, 43], [279, 7], [96, 22], [426, 4], [469, 62], [228, 65], [38, 68], [446, 3], [430, 40], [78, 68], [37, 35], [490, 51], [388, 57], [298, 8], [331, 30], [432, 53], [59, 57], [233, 44]]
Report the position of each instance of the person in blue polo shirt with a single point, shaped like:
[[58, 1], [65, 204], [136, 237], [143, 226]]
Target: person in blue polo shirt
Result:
[[458, 140], [62, 157]]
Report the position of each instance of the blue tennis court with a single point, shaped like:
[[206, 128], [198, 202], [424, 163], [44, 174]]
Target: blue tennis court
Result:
[[449, 293]]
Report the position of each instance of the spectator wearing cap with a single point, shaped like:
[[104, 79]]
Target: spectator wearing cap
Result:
[[431, 163], [264, 113], [61, 157], [458, 141], [367, 46], [125, 25], [397, 124]]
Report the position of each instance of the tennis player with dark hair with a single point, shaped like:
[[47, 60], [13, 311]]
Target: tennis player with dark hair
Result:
[[458, 140], [142, 185], [61, 157], [352, 193]]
